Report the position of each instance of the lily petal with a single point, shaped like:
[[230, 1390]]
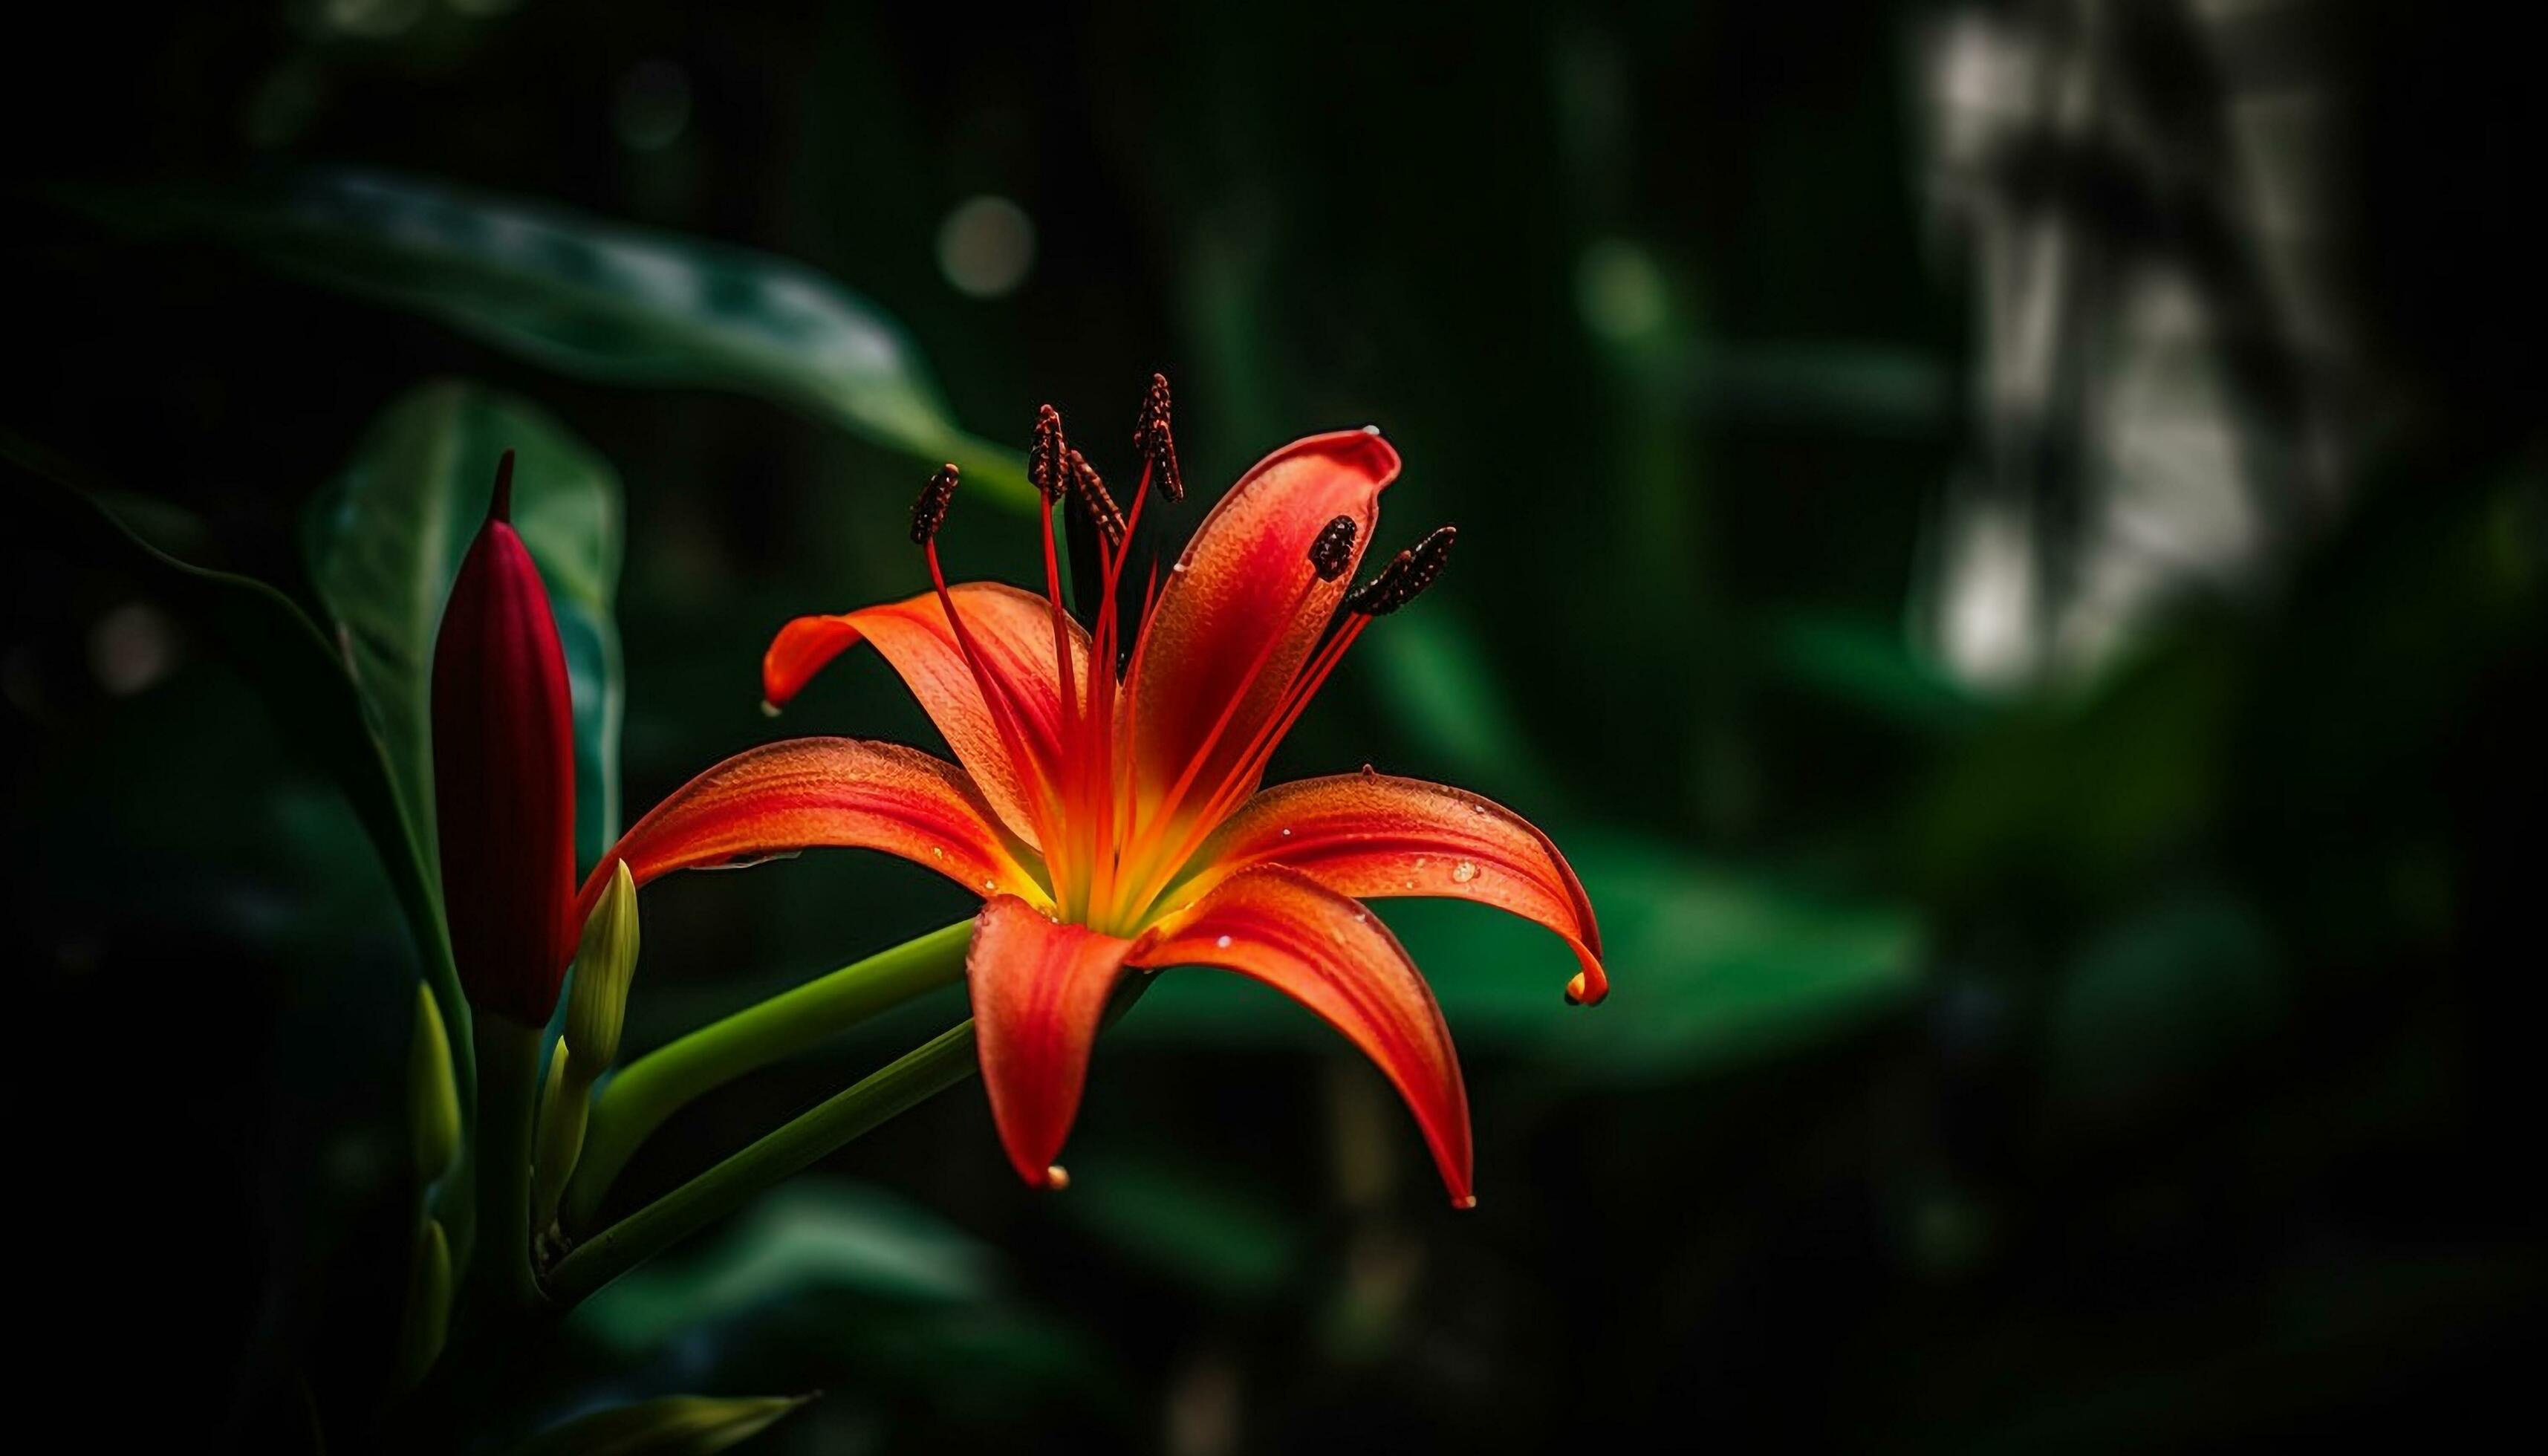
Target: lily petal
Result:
[[810, 793], [1243, 593], [1013, 630], [1374, 835], [1326, 952], [1039, 988]]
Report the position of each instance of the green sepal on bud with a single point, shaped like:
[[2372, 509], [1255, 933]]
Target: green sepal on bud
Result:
[[605, 962], [426, 1320], [432, 1097], [668, 1426], [565, 1104]]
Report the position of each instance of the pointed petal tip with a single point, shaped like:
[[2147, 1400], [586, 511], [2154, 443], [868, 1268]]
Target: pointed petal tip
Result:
[[499, 507]]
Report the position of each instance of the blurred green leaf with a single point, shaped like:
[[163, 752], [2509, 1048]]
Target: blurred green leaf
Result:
[[2084, 791], [594, 299], [1186, 1222], [386, 538], [668, 1426], [1442, 690], [285, 657], [1866, 666], [811, 1233], [2160, 1003], [1711, 968]]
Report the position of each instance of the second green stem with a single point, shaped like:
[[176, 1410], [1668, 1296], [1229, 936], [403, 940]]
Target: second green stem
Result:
[[632, 1104]]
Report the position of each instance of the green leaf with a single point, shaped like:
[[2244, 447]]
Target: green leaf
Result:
[[386, 538], [284, 657], [812, 1233], [593, 299], [1710, 969], [668, 1426]]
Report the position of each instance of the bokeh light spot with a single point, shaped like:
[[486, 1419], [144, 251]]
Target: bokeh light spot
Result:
[[652, 106], [132, 647], [1620, 290], [986, 246]]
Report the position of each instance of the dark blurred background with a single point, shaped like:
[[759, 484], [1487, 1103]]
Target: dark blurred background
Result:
[[2008, 540]]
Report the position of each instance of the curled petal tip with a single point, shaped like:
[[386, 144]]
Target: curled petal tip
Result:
[[1056, 1177], [1584, 990]]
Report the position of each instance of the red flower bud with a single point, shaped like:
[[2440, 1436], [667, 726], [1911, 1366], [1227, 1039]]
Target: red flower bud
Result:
[[504, 774]]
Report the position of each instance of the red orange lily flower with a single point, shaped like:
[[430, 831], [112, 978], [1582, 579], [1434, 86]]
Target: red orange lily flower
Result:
[[1113, 825]]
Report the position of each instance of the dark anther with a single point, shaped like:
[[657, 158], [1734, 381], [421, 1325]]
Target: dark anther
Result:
[[1405, 577], [1155, 442], [1091, 490], [1333, 553], [1044, 467], [1431, 555], [1379, 595], [929, 512]]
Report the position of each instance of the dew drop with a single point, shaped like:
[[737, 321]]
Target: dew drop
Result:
[[1222, 942], [1179, 569], [935, 852], [986, 885], [1463, 872], [1287, 834], [1476, 808], [1368, 772], [1362, 918]]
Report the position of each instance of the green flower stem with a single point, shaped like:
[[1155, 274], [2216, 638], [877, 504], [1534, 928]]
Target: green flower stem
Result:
[[632, 1104], [509, 1081], [917, 1076]]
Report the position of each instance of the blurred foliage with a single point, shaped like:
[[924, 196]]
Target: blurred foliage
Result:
[[589, 297], [2136, 1055]]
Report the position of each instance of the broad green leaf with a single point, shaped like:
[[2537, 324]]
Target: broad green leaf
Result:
[[811, 1233], [386, 538], [668, 1426], [284, 657], [1710, 969], [595, 299]]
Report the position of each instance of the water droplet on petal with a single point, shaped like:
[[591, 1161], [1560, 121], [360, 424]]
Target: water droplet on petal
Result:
[[986, 886], [1287, 834], [1463, 872], [1368, 772], [935, 852], [1476, 808], [1222, 942]]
